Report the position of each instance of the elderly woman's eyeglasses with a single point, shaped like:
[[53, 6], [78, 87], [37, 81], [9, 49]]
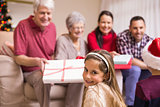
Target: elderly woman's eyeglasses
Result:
[[78, 28]]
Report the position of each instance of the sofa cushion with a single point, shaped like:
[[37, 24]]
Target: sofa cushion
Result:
[[11, 82], [57, 92]]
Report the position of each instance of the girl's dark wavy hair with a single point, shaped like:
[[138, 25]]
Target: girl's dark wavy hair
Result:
[[98, 32]]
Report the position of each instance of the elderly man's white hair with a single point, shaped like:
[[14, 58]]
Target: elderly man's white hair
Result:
[[47, 3]]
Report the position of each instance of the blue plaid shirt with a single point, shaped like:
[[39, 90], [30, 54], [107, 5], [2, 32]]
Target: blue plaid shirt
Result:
[[126, 44]]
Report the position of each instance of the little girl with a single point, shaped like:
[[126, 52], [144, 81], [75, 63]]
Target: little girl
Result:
[[101, 88]]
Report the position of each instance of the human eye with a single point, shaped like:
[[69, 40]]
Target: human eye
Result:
[[85, 69], [135, 28], [103, 22], [94, 72], [141, 27], [42, 13], [82, 27], [49, 13], [108, 22]]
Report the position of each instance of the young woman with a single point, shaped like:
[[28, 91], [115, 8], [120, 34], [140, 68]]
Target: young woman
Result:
[[103, 37], [101, 88]]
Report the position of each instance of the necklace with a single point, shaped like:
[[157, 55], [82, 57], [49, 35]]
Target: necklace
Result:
[[76, 45]]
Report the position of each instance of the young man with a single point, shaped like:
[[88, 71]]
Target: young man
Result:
[[34, 44], [131, 42], [148, 90]]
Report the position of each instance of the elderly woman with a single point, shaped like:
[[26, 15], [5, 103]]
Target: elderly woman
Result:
[[69, 46]]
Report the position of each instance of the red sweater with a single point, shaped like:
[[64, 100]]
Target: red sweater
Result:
[[109, 42]]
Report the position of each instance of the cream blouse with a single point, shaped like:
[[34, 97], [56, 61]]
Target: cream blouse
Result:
[[100, 95]]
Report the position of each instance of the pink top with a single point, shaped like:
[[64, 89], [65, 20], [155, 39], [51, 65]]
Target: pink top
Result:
[[29, 40], [109, 42]]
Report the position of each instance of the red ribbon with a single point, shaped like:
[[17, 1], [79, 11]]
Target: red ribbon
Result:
[[61, 70], [80, 57]]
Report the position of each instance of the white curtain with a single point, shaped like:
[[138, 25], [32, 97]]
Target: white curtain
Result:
[[124, 10]]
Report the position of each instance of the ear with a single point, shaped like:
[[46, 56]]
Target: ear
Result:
[[34, 13], [70, 29], [130, 28], [144, 27], [98, 23], [106, 77]]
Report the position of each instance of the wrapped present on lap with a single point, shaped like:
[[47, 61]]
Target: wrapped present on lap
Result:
[[71, 70], [64, 71], [122, 61]]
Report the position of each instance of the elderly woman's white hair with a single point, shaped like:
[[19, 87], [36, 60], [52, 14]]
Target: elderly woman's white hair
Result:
[[47, 3], [73, 18]]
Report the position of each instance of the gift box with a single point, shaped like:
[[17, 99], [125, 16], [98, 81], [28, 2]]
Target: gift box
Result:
[[123, 66], [64, 71], [71, 70], [122, 61]]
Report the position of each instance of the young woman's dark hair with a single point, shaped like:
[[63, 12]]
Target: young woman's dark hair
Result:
[[97, 30]]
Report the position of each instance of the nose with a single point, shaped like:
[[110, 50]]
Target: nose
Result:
[[138, 30], [105, 25], [80, 29], [45, 15], [88, 76]]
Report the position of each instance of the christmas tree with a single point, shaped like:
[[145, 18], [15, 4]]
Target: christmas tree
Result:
[[5, 19]]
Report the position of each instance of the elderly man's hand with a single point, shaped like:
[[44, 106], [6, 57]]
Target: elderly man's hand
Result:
[[41, 63]]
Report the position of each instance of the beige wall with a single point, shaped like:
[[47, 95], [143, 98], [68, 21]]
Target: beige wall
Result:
[[88, 8]]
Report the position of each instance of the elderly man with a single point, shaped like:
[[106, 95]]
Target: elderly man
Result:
[[131, 42], [34, 44]]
